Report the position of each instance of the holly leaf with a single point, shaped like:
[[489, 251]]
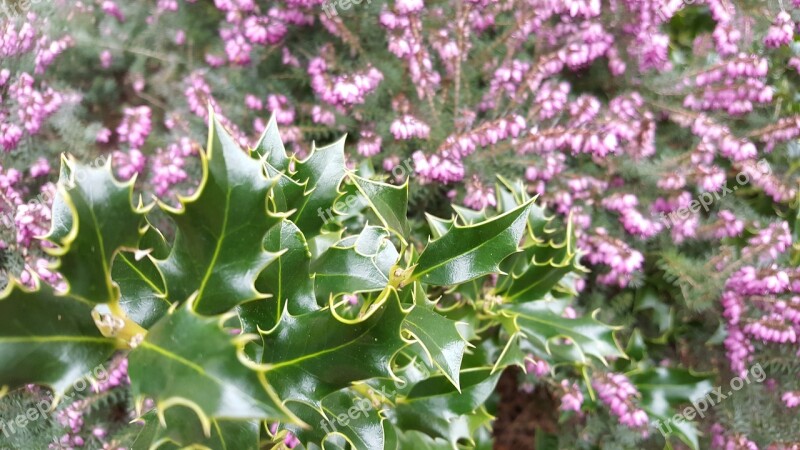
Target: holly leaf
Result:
[[438, 226], [289, 277], [179, 427], [664, 390], [468, 252], [541, 327], [190, 360], [287, 280], [388, 202], [307, 367], [541, 268], [436, 408], [439, 337], [47, 339], [97, 211], [355, 264], [218, 251], [270, 146], [342, 416], [321, 173]]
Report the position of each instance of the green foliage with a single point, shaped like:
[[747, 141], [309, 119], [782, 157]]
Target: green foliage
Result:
[[260, 310]]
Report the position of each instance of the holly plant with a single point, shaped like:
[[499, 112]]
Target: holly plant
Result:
[[294, 296]]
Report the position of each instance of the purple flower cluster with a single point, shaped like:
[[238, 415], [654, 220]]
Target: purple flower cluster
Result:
[[617, 392], [72, 416]]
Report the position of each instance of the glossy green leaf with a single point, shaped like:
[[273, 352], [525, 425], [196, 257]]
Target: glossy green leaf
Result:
[[343, 413], [102, 221], [541, 326], [321, 173], [542, 267], [664, 390], [189, 360], [440, 339], [467, 252], [47, 339], [184, 429], [355, 264], [270, 146], [439, 227], [307, 366], [218, 251], [142, 291], [436, 408], [287, 280], [388, 202]]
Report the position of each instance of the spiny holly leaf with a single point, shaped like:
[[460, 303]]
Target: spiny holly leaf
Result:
[[270, 146], [663, 390], [541, 327], [305, 366], [438, 226], [183, 429], [468, 252], [288, 280], [61, 223], [189, 360], [47, 339], [434, 407], [97, 210], [388, 202], [141, 286], [289, 277], [541, 268], [509, 194], [321, 172], [440, 339], [218, 251], [286, 194], [142, 291], [343, 415], [355, 264]]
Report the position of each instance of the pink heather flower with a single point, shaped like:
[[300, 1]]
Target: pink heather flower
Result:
[[409, 127], [771, 328], [109, 7], [728, 225], [408, 6], [436, 168], [167, 165], [135, 126], [279, 105], [253, 102], [322, 116], [180, 37], [552, 98], [722, 441], [617, 392], [791, 399], [369, 144], [103, 136], [781, 32], [536, 366], [128, 164], [105, 59], [479, 196], [571, 398], [214, 60], [40, 168]]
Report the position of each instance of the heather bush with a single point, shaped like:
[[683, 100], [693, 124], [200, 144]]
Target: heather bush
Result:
[[663, 134]]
